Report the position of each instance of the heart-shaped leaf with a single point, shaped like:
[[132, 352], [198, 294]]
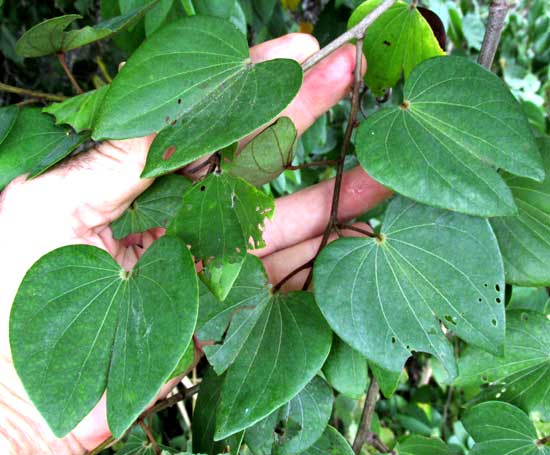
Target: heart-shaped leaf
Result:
[[222, 216], [420, 445], [395, 43], [285, 349], [331, 442], [155, 207], [456, 124], [80, 324], [79, 111], [386, 297], [50, 37], [524, 239], [8, 116], [202, 92], [522, 376], [35, 144], [501, 428], [266, 156], [346, 370], [296, 425]]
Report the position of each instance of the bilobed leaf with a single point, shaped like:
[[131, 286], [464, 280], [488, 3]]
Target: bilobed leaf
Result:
[[80, 324], [284, 351], [524, 239], [155, 207], [202, 92], [222, 216], [331, 442], [420, 445], [501, 428], [8, 116], [50, 37], [395, 43], [457, 123], [522, 376], [204, 419], [79, 111], [346, 370], [35, 144], [266, 156], [296, 425], [386, 298]]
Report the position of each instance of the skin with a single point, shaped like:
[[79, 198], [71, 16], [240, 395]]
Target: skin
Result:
[[37, 216]]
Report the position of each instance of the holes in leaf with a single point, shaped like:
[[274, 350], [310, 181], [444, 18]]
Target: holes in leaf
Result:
[[497, 287], [484, 378], [485, 285], [494, 322], [393, 340], [524, 317], [450, 319], [179, 100], [387, 43], [498, 300], [169, 152], [203, 187], [480, 300]]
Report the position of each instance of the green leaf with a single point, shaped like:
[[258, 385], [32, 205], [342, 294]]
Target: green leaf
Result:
[[396, 42], [532, 299], [285, 349], [501, 428], [295, 426], [155, 18], [184, 362], [420, 445], [80, 324], [230, 10], [346, 370], [456, 124], [50, 37], [524, 239], [331, 442], [202, 92], [79, 111], [222, 216], [386, 298], [387, 380], [8, 116], [219, 276], [155, 207], [523, 374], [204, 419], [35, 144], [266, 156]]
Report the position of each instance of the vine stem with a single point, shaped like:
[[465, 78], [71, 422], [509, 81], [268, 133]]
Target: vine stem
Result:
[[171, 401], [63, 62], [356, 32], [352, 120], [32, 93], [150, 436], [498, 10]]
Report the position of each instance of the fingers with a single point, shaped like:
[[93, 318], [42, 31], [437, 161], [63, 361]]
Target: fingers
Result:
[[305, 214]]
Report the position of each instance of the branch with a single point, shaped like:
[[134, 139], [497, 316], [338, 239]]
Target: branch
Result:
[[150, 436], [32, 93], [497, 14], [63, 62], [171, 401], [305, 266], [357, 32]]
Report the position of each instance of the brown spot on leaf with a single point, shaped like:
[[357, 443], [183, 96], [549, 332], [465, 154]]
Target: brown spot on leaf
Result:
[[169, 152]]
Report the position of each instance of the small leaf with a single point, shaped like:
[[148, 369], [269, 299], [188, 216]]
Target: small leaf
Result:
[[522, 376], [155, 207], [202, 92], [285, 349], [387, 380], [204, 419], [396, 42], [296, 425], [420, 445], [79, 111], [35, 144], [346, 370], [80, 324], [266, 156], [8, 116], [222, 216], [386, 298], [331, 442], [501, 428], [524, 239], [456, 124], [49, 36], [219, 276]]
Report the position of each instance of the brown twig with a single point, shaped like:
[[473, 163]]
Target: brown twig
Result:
[[351, 227], [63, 62], [305, 266], [150, 436], [357, 32], [171, 401], [495, 23], [352, 120], [445, 416], [101, 447], [311, 164], [32, 93]]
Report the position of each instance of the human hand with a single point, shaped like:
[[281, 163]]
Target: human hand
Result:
[[76, 202]]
